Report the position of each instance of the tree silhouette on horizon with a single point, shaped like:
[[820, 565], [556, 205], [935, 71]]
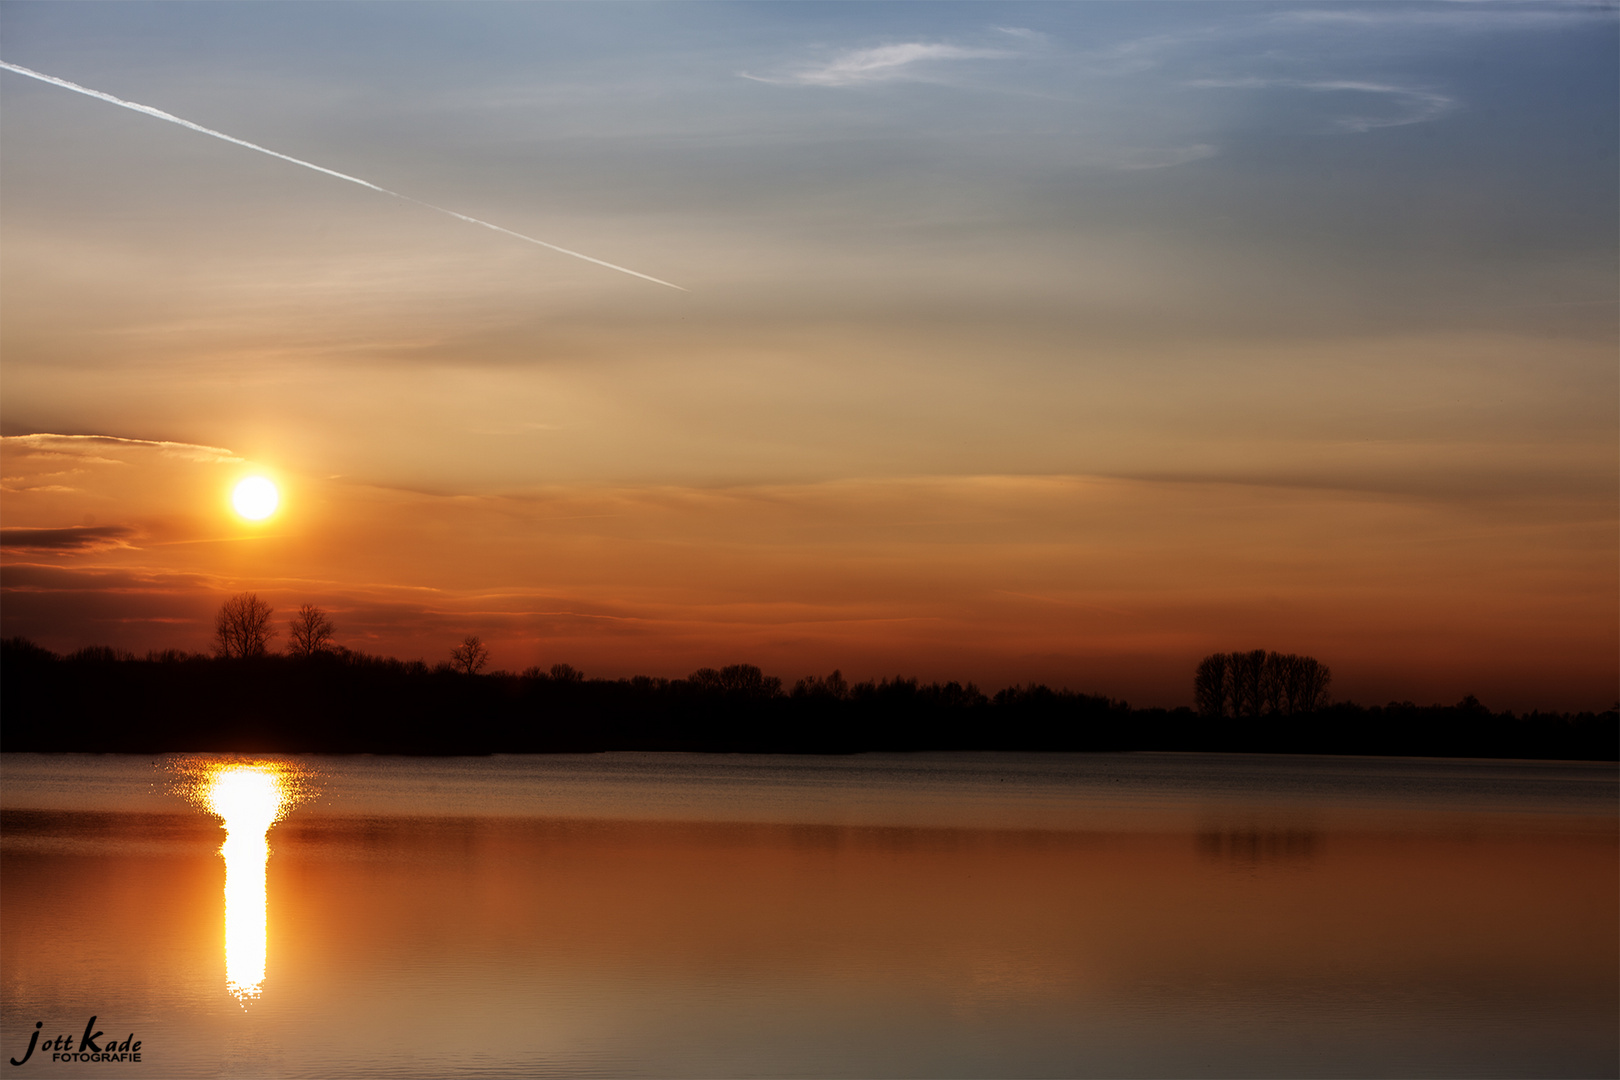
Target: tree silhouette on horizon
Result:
[[242, 628], [309, 632], [1248, 685], [470, 656]]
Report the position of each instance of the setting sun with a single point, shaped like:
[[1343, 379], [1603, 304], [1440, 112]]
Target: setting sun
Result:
[[255, 498]]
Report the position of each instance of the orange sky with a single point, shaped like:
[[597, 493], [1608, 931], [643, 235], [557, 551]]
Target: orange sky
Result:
[[1066, 352], [1097, 583]]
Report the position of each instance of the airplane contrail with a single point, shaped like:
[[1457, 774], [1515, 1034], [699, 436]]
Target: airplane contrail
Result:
[[171, 118]]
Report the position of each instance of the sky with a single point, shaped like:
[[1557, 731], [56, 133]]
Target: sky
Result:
[[1058, 342]]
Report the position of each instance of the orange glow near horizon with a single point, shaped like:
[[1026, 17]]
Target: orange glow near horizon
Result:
[[1101, 584]]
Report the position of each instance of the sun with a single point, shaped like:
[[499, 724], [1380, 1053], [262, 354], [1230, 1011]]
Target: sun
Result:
[[255, 498]]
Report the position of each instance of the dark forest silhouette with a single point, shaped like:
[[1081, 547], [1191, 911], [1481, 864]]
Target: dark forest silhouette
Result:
[[337, 701]]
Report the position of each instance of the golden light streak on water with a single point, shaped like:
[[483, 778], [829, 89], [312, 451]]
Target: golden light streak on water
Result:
[[249, 797]]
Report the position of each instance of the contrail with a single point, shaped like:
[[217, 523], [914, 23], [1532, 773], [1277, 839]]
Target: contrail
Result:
[[171, 118]]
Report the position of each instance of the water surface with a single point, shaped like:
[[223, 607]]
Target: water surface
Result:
[[878, 915]]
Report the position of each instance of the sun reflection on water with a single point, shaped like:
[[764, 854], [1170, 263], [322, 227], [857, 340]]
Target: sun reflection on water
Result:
[[248, 797]]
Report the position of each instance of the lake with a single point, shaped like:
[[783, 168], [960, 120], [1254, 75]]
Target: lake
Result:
[[875, 915]]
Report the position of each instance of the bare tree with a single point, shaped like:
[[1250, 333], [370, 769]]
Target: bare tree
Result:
[[1275, 671], [242, 628], [309, 632], [1311, 685], [1258, 683], [1246, 671], [471, 655], [1209, 685], [1280, 685], [736, 680], [833, 686], [1300, 683]]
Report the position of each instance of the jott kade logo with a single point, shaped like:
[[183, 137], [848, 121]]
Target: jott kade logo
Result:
[[89, 1049]]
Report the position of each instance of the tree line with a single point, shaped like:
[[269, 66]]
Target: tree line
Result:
[[243, 630], [337, 700], [1235, 685]]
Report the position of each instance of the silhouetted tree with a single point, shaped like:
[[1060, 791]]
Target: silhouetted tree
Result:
[[471, 655], [748, 679], [1246, 671], [1275, 672], [736, 680], [833, 686], [309, 632], [100, 654], [1258, 683], [1301, 683], [101, 699], [1279, 682], [1209, 685], [1311, 692], [242, 628], [705, 678], [566, 673]]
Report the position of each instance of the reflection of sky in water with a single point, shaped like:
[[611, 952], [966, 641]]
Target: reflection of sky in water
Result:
[[977, 915]]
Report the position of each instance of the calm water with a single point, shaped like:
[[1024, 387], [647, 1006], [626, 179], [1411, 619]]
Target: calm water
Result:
[[906, 915]]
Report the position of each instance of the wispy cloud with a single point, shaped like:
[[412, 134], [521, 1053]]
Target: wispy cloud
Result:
[[1269, 35], [72, 538], [87, 445], [1462, 17], [1413, 105], [1023, 33], [1161, 157], [883, 63]]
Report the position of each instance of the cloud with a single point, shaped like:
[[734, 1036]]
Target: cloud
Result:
[[138, 608], [1463, 17], [1023, 33], [884, 63], [87, 445], [1413, 105], [1161, 157], [66, 609], [37, 577], [72, 538]]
